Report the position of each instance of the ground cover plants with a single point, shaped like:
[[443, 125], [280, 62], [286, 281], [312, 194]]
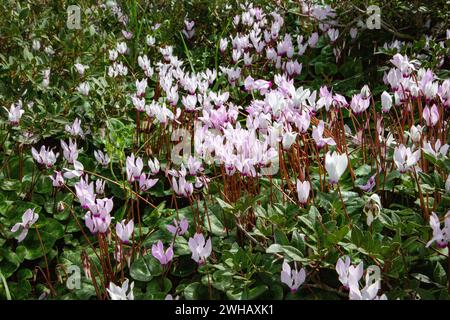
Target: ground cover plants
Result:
[[224, 150]]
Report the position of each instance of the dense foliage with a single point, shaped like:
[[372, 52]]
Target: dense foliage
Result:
[[210, 149]]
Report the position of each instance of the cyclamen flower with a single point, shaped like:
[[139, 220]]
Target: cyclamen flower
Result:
[[317, 135], [182, 188], [415, 132], [28, 219], [124, 231], [122, 47], [58, 180], [403, 64], [164, 257], [431, 116], [113, 54], [150, 40], [45, 156], [292, 277], [134, 168], [141, 86], [127, 34], [335, 165], [98, 218], [70, 151], [312, 41], [404, 158], [386, 102], [333, 34], [359, 104], [178, 228], [369, 185], [14, 114], [189, 102], [447, 184], [261, 85], [200, 249], [146, 184], [102, 158], [223, 45], [303, 189], [326, 98], [75, 128], [154, 166], [368, 292], [288, 139], [189, 30], [100, 186], [344, 269], [441, 236], [438, 150], [76, 172], [85, 192], [80, 68], [120, 293], [84, 88]]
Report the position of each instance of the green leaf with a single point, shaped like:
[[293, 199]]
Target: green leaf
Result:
[[290, 251], [145, 268]]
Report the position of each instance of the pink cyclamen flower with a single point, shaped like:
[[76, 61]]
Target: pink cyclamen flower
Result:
[[98, 218], [200, 248], [441, 236], [124, 231], [164, 257], [344, 269], [134, 168], [146, 184], [369, 291], [431, 116], [45, 156], [182, 187], [70, 152], [28, 219], [178, 228], [223, 45], [102, 158], [75, 128], [293, 278], [303, 189], [404, 158], [317, 135], [85, 192], [58, 179]]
